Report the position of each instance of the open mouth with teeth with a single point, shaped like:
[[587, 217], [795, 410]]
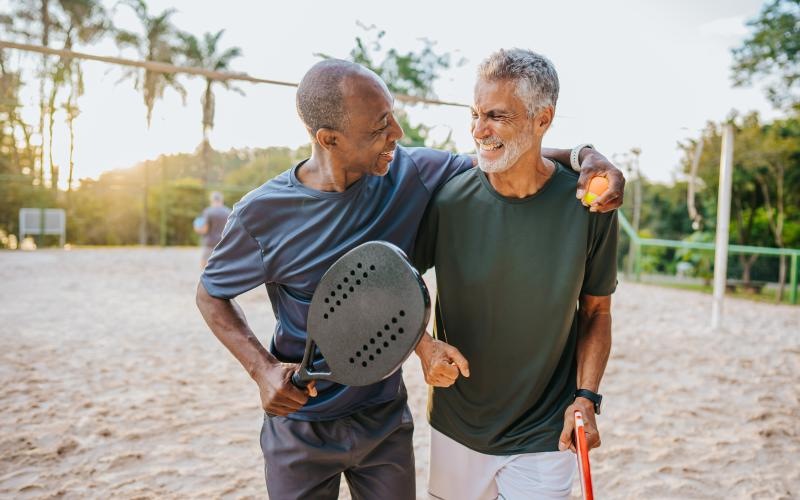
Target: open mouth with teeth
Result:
[[387, 155], [487, 147]]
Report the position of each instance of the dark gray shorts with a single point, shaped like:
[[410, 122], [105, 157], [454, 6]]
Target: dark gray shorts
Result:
[[373, 448]]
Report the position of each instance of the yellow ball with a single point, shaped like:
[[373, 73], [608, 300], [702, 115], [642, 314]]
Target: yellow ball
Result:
[[590, 197]]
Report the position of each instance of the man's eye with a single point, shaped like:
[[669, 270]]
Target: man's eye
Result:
[[474, 116]]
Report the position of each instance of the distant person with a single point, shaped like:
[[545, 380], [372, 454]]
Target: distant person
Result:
[[210, 224]]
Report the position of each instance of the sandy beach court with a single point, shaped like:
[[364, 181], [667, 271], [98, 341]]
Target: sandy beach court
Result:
[[111, 386]]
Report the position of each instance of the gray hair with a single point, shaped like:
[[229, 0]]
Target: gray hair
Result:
[[535, 75], [216, 197], [320, 100]]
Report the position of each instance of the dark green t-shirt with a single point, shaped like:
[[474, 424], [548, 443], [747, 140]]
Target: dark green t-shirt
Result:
[[509, 274]]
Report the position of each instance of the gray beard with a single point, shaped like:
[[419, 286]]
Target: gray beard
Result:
[[512, 151]]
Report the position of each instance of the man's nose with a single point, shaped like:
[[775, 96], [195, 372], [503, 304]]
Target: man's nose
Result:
[[480, 130], [396, 132]]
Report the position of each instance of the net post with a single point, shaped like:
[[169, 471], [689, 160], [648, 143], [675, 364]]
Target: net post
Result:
[[637, 261], [793, 280], [723, 224]]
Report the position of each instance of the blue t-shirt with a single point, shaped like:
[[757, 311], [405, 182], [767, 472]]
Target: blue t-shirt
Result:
[[286, 235]]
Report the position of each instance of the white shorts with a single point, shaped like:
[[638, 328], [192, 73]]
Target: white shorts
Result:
[[460, 473]]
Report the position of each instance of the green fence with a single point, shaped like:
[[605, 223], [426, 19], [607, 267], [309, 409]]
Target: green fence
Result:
[[638, 243]]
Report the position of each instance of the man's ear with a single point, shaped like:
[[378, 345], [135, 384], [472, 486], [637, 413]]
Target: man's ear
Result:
[[327, 138], [544, 119]]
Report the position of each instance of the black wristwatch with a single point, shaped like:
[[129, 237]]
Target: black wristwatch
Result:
[[592, 396]]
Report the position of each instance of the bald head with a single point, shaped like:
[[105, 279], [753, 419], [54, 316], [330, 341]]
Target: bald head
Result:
[[322, 91]]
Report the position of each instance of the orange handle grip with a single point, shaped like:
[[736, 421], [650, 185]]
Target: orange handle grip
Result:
[[583, 457]]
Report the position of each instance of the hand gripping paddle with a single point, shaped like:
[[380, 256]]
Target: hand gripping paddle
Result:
[[366, 316], [583, 458]]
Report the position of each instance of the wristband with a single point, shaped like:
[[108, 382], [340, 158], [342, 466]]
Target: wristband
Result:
[[574, 156]]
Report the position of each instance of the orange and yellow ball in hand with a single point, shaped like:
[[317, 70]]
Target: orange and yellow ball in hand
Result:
[[597, 186]]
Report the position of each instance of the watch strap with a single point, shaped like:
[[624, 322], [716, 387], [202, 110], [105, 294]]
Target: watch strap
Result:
[[592, 396], [575, 154]]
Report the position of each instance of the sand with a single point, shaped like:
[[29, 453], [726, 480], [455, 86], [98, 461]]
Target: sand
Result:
[[112, 386]]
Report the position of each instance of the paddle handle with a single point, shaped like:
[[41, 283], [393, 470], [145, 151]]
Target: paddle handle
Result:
[[583, 457], [299, 381], [301, 378]]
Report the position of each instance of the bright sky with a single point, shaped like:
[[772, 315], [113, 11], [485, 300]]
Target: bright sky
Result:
[[633, 74]]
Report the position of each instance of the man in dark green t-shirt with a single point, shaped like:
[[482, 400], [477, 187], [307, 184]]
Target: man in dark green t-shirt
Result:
[[524, 275]]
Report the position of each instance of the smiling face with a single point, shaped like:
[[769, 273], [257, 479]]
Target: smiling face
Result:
[[367, 143], [502, 130]]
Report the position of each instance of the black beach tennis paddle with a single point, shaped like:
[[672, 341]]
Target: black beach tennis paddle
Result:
[[367, 314]]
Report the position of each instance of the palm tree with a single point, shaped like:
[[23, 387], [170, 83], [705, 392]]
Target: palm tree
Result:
[[207, 54], [10, 103], [87, 21], [36, 23], [156, 43]]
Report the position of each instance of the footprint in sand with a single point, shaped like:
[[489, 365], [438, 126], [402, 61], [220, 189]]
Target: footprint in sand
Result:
[[124, 460]]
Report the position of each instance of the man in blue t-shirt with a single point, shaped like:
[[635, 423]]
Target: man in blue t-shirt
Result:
[[358, 186]]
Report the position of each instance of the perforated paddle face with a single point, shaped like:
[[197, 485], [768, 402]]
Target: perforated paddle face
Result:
[[368, 313]]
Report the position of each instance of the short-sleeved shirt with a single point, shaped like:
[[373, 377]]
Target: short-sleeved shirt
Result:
[[215, 217], [286, 235], [509, 274]]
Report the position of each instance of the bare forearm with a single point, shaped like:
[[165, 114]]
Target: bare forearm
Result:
[[594, 347], [559, 155], [227, 321], [562, 155]]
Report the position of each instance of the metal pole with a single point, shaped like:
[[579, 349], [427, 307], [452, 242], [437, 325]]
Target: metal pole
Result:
[[630, 263], [63, 239], [793, 280], [697, 219], [637, 210], [638, 262], [40, 239], [637, 192], [723, 225], [143, 224], [163, 208]]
